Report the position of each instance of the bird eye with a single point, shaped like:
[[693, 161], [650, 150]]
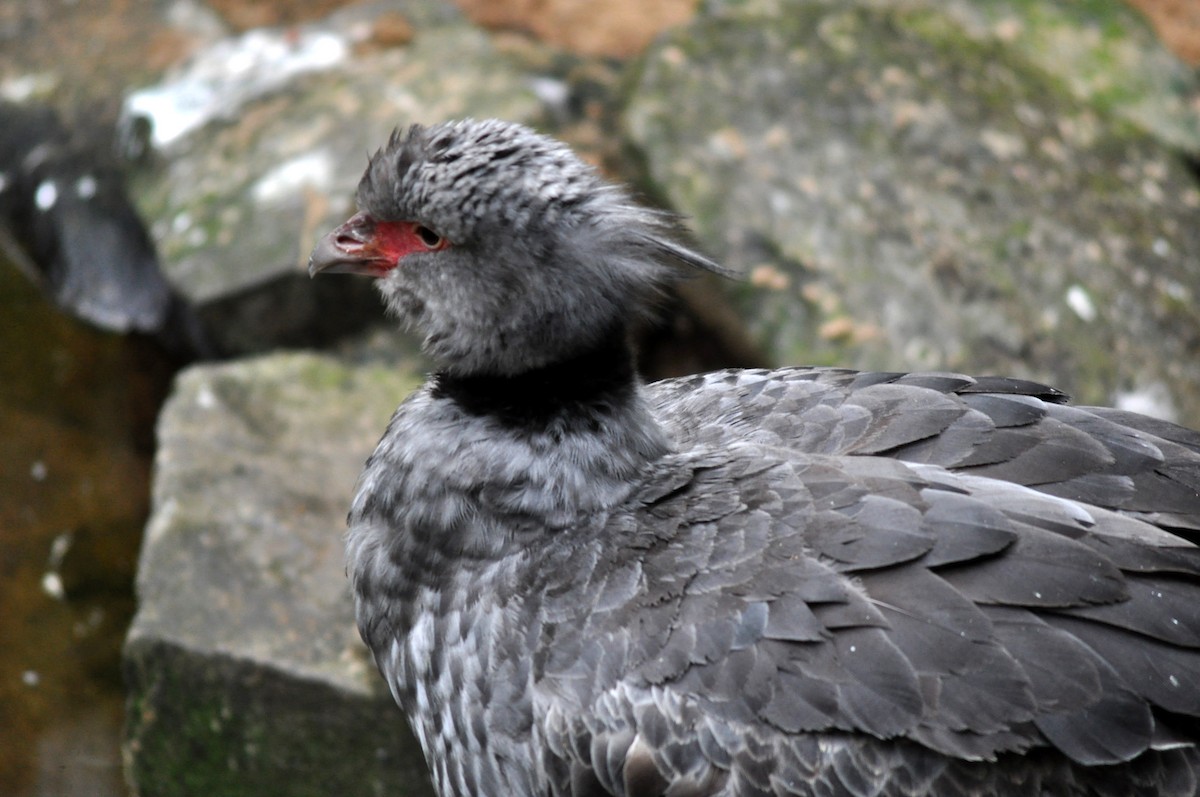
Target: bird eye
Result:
[[428, 237]]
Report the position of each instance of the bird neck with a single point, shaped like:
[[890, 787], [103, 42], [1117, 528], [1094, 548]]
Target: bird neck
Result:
[[476, 469], [564, 441], [597, 380]]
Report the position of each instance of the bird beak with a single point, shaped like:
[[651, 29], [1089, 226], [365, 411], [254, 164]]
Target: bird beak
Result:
[[352, 248]]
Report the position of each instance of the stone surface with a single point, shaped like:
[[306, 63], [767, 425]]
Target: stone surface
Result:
[[1104, 53], [245, 671], [903, 195]]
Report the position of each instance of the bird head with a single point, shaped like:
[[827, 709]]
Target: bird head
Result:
[[500, 247]]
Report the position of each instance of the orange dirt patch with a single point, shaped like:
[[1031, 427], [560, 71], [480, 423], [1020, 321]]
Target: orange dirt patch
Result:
[[1177, 23], [617, 28]]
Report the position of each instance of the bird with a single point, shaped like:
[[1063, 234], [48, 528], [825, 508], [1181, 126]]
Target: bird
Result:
[[68, 223], [790, 581]]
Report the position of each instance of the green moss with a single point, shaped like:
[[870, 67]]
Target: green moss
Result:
[[210, 725], [1104, 54]]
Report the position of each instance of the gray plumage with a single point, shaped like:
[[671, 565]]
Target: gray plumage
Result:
[[791, 582]]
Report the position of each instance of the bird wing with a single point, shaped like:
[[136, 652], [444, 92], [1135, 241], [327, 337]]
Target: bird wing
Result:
[[752, 598], [1007, 429]]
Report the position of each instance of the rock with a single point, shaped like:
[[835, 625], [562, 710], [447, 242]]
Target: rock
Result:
[[1104, 53], [903, 195], [244, 669], [239, 198]]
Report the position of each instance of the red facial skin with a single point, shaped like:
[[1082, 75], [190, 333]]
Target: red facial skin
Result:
[[364, 245]]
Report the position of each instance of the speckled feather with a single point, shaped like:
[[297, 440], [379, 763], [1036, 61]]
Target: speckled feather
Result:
[[789, 582]]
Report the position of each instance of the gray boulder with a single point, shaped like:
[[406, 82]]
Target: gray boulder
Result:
[[1103, 53], [906, 194], [244, 669]]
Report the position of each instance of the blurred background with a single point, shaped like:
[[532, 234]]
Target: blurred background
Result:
[[1005, 186]]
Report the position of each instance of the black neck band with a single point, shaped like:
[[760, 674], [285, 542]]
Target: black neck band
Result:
[[601, 376]]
